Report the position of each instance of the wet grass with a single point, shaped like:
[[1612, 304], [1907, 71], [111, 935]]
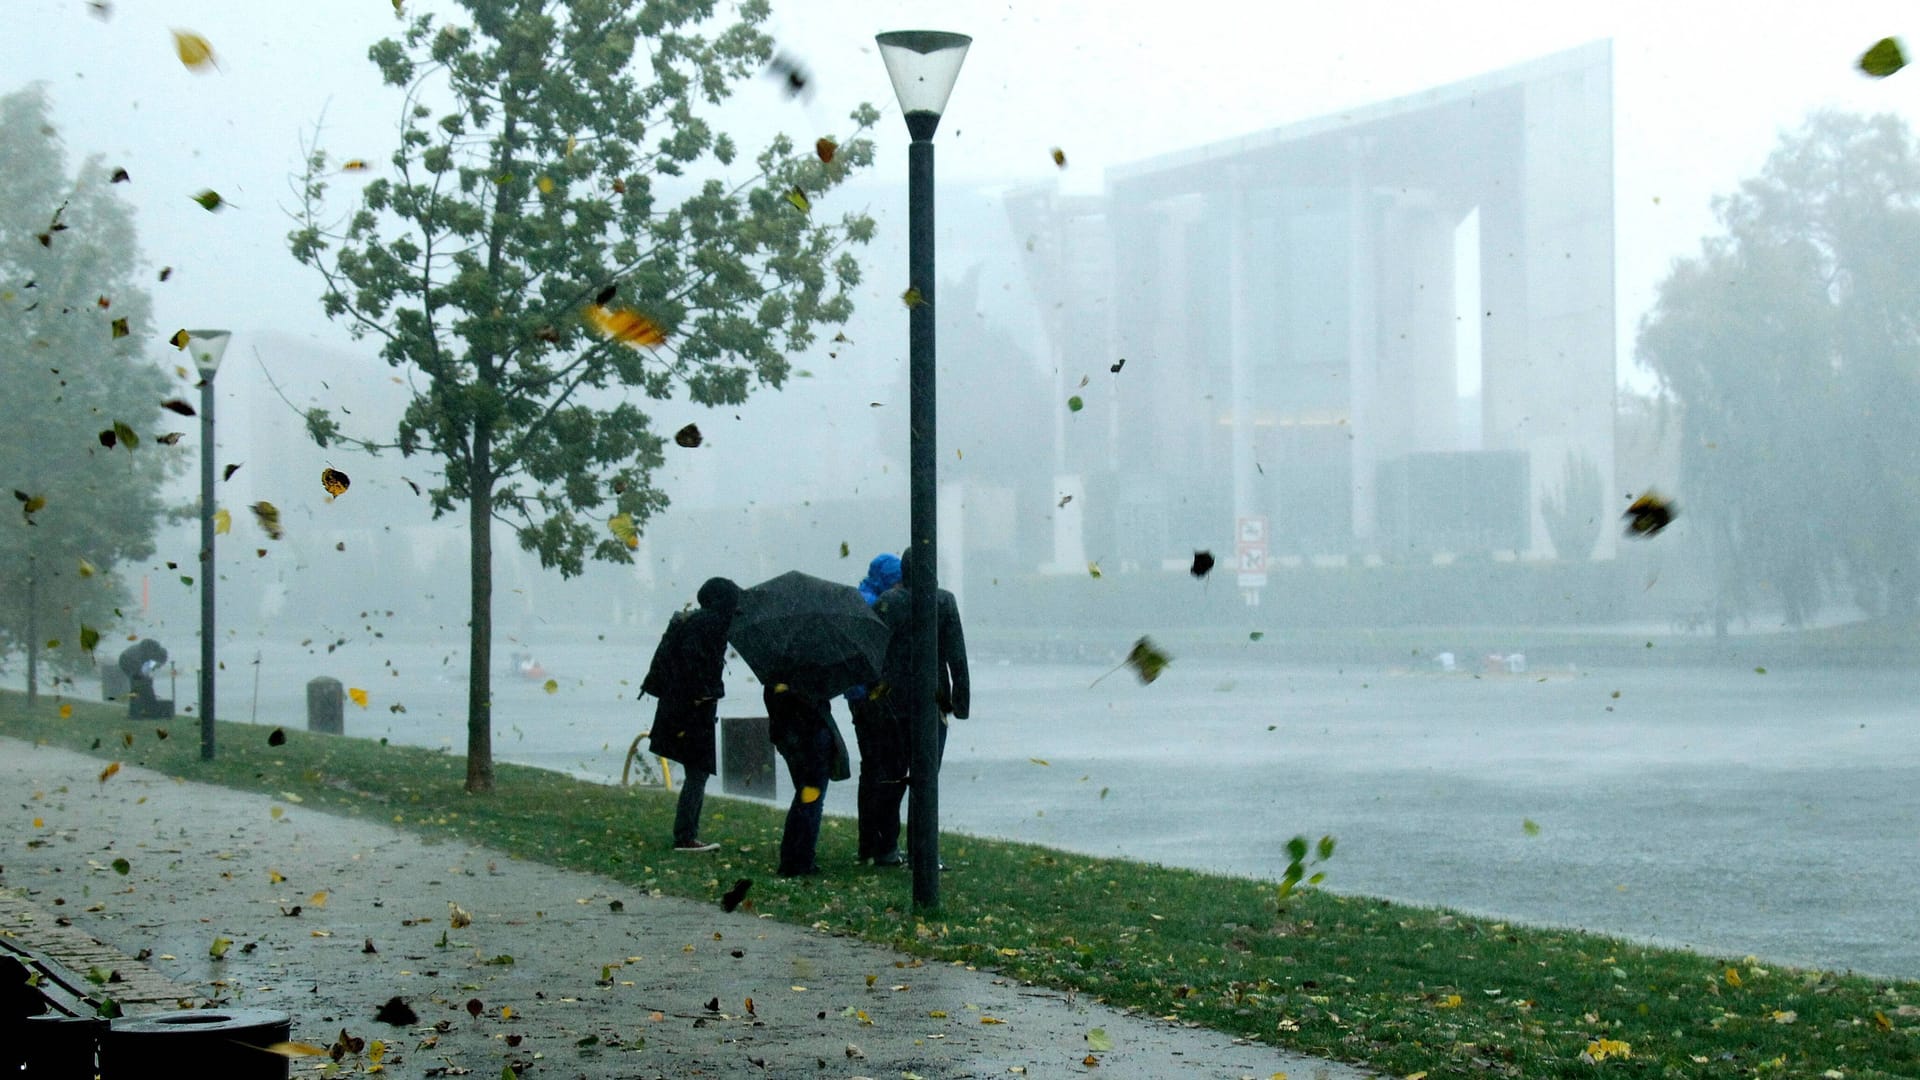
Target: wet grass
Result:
[[1406, 990]]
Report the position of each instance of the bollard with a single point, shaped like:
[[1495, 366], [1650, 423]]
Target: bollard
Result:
[[325, 708], [746, 757], [57, 1045], [228, 1043]]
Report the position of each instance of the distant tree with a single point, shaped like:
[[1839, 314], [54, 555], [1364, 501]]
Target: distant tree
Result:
[[533, 196], [1572, 511], [68, 275], [1792, 345]]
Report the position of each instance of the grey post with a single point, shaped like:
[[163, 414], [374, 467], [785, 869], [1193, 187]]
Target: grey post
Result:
[[325, 710]]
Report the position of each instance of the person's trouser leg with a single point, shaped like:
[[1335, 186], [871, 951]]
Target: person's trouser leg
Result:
[[686, 813], [808, 765]]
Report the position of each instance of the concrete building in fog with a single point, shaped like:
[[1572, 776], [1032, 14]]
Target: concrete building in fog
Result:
[[1385, 334]]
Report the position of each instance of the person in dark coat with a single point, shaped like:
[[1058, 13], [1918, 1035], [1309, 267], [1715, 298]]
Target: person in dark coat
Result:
[[952, 694], [685, 677], [801, 728], [883, 743]]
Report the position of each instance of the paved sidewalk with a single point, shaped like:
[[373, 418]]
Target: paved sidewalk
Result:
[[559, 974]]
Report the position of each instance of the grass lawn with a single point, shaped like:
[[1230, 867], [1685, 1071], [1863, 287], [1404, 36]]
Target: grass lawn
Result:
[[1411, 991]]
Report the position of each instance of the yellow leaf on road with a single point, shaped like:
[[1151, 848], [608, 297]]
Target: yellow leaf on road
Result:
[[318, 899], [107, 773]]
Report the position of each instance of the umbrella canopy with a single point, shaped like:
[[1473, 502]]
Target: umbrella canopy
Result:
[[817, 636]]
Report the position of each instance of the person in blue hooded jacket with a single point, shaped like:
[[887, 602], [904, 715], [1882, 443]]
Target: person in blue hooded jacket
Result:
[[883, 744], [952, 691]]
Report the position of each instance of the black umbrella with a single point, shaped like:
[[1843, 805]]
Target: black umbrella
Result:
[[817, 636]]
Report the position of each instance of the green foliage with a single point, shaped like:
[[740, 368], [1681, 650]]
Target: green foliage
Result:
[[1792, 346], [1573, 513], [67, 380], [548, 152]]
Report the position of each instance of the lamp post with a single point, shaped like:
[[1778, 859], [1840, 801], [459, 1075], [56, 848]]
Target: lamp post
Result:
[[923, 65], [207, 347]]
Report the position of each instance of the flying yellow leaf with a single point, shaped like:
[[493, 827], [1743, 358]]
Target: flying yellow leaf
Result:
[[626, 325], [107, 773], [66, 710], [222, 522], [358, 695], [354, 165], [335, 481], [275, 877], [179, 341], [799, 199], [194, 51], [913, 298], [551, 686], [809, 794], [624, 530], [296, 1049]]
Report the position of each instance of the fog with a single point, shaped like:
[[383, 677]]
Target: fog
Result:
[[1350, 298]]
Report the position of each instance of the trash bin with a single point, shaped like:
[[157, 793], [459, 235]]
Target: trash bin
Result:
[[746, 757], [325, 709], [138, 662], [228, 1043]]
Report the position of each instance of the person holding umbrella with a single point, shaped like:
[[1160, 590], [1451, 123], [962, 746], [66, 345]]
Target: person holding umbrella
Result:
[[807, 640], [685, 677]]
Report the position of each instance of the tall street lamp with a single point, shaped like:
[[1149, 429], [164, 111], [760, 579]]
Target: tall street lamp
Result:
[[207, 347], [923, 65]]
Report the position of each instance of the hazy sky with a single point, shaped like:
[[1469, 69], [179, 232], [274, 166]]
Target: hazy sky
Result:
[[1701, 89]]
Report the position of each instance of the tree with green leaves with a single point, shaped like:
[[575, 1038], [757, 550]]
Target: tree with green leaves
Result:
[[1791, 344], [561, 225], [78, 319]]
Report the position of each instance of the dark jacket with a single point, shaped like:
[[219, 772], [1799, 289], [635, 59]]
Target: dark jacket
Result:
[[685, 677], [895, 608]]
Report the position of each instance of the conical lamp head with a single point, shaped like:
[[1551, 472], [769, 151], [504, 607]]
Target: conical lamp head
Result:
[[207, 347], [923, 65]]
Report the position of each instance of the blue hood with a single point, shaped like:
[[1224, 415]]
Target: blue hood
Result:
[[883, 573]]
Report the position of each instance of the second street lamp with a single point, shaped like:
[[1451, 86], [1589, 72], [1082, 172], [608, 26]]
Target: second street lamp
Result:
[[923, 65], [207, 347]]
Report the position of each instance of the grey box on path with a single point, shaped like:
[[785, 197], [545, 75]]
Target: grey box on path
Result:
[[325, 707]]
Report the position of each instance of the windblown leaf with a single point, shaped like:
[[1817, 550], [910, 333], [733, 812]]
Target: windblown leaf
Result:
[[194, 51], [1884, 58]]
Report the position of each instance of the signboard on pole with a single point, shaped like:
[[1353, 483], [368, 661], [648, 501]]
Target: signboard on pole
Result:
[[1250, 534]]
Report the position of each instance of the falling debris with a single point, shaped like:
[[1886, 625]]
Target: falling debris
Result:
[[791, 72], [210, 200], [194, 51], [799, 199], [912, 297], [626, 326], [268, 517], [1885, 58], [1059, 157], [1649, 514], [178, 406], [688, 436], [736, 894], [1202, 564], [1117, 365], [334, 481], [825, 147]]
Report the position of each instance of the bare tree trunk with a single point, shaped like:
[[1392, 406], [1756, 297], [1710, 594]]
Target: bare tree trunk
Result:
[[480, 619]]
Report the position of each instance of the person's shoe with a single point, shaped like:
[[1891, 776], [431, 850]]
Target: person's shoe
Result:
[[694, 847], [891, 858]]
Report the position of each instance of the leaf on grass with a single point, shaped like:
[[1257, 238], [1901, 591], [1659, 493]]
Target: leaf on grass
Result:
[[107, 773], [1202, 564], [1733, 977], [688, 436], [268, 517], [1883, 59], [732, 897], [1602, 1049], [626, 326], [194, 51], [66, 710], [334, 481], [222, 522], [358, 695], [624, 530]]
